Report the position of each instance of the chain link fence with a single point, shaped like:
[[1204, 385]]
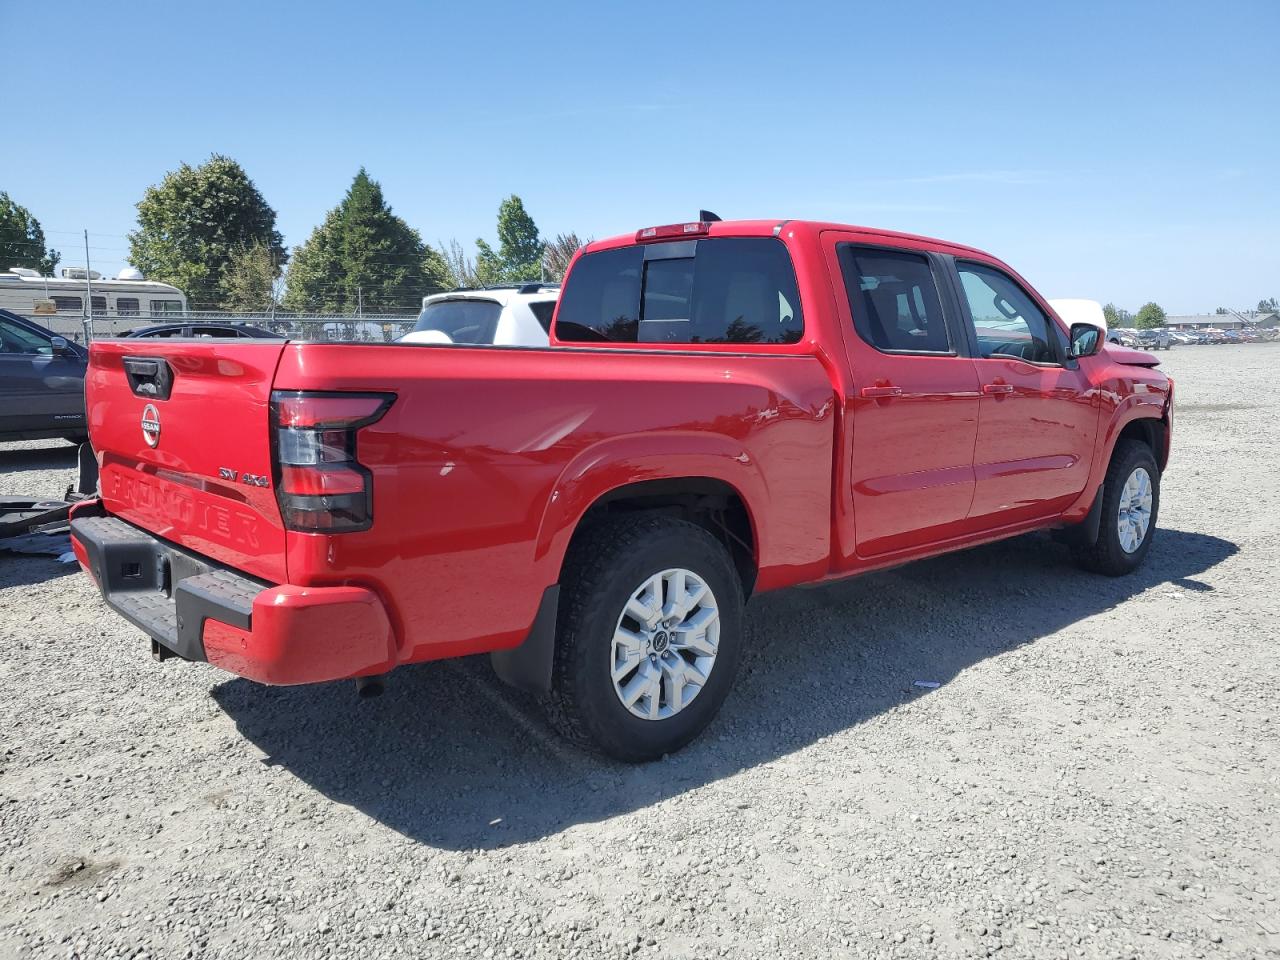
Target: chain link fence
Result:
[[362, 328]]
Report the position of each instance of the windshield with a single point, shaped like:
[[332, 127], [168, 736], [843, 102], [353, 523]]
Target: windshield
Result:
[[463, 321]]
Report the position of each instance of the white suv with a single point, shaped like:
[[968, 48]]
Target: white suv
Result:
[[517, 315]]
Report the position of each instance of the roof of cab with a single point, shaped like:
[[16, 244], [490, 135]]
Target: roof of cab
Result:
[[771, 228]]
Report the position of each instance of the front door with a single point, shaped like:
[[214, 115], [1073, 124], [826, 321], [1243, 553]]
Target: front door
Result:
[[40, 391], [1038, 415], [913, 408]]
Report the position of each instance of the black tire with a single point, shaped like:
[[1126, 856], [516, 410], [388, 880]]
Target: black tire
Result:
[[606, 565], [1107, 556]]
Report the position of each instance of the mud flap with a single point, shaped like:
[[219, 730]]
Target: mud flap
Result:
[[1084, 533], [528, 666], [87, 482]]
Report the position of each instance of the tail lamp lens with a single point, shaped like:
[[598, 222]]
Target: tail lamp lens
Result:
[[320, 484]]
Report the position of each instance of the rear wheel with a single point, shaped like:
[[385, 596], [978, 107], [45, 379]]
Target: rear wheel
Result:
[[649, 637], [1130, 506]]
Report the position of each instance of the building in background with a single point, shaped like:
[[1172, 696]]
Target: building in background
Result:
[[1205, 321]]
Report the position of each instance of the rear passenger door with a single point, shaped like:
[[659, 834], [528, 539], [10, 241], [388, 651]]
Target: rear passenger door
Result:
[[912, 415], [1038, 417]]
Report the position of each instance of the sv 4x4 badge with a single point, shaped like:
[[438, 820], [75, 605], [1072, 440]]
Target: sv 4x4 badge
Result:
[[252, 479]]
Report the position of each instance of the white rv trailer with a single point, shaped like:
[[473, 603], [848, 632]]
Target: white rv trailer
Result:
[[128, 300]]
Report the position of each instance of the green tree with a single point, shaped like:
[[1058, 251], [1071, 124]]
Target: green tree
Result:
[[1151, 315], [1268, 306], [1221, 311], [557, 253], [363, 255], [519, 253], [22, 239], [251, 280], [436, 271], [460, 268], [194, 222], [1117, 316]]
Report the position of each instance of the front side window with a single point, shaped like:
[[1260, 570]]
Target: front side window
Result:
[[718, 290], [462, 320], [1006, 320], [16, 339], [894, 300]]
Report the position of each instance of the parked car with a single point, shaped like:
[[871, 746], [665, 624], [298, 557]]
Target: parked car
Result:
[[1154, 338], [41, 382], [1215, 336], [1124, 336], [511, 315], [725, 408], [198, 328], [1185, 337]]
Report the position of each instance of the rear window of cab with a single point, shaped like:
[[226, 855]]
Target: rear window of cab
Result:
[[712, 290]]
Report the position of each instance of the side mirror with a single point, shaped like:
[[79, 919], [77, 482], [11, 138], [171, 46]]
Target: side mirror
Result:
[[60, 345], [1086, 339]]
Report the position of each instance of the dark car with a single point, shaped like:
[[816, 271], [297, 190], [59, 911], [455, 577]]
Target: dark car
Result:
[[1156, 338], [41, 382], [198, 329]]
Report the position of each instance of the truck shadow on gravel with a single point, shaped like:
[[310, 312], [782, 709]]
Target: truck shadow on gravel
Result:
[[57, 456], [450, 757]]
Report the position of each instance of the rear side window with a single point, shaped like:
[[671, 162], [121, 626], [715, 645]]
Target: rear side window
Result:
[[720, 290], [543, 310], [464, 321], [894, 300], [127, 306]]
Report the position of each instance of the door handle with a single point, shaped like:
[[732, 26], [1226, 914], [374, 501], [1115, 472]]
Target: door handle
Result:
[[997, 389], [886, 391]]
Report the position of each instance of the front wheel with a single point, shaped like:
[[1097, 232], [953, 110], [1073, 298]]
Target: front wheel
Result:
[[650, 632], [1130, 506]]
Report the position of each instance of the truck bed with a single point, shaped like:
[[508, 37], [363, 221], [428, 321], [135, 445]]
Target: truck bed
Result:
[[481, 467]]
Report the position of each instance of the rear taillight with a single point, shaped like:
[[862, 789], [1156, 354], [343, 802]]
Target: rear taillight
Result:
[[320, 484]]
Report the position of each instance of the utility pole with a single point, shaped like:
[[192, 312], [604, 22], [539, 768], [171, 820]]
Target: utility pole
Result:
[[359, 301], [88, 286]]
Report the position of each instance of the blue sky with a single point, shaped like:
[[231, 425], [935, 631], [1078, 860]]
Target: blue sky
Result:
[[1120, 151]]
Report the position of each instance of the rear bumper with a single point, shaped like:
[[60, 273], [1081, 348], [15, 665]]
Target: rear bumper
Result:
[[200, 610]]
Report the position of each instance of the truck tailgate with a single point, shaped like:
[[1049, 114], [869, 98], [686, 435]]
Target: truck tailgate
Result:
[[181, 429]]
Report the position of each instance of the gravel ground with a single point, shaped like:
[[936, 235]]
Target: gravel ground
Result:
[[1096, 776]]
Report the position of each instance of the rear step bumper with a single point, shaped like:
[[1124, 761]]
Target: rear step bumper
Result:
[[201, 610]]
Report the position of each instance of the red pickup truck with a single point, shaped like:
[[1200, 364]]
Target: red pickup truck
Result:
[[725, 408]]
